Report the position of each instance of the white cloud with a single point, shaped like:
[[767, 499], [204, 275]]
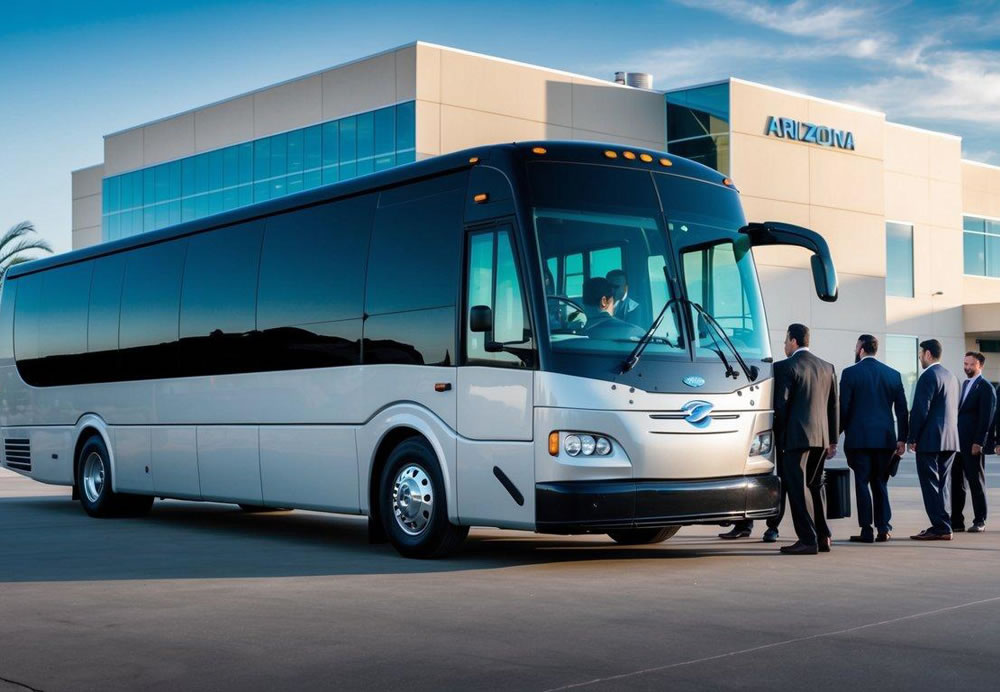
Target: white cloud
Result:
[[990, 156], [799, 18], [929, 69]]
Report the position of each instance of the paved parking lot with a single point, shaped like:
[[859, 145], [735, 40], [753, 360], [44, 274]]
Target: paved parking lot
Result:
[[204, 597]]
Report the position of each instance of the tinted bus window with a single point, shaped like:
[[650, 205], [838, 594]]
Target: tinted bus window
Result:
[[413, 273], [62, 326], [27, 349], [151, 298], [8, 296], [219, 300], [311, 291], [415, 247], [105, 310]]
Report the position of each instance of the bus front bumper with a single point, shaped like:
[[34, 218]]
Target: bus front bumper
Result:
[[598, 506]]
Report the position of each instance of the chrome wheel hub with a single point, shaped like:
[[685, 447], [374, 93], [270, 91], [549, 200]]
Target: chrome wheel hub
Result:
[[93, 477], [412, 499]]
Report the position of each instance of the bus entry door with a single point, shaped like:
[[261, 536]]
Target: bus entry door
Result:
[[496, 470]]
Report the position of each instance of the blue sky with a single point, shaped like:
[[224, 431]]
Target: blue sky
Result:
[[72, 72]]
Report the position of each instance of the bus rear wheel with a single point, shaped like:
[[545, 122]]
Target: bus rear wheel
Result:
[[412, 503], [643, 536], [93, 478]]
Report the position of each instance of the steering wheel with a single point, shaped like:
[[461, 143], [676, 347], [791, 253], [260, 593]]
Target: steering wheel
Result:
[[579, 311]]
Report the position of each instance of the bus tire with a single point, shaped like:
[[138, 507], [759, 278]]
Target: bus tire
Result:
[[260, 509], [413, 505], [643, 536], [93, 479]]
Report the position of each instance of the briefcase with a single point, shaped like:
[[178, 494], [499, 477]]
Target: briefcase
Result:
[[893, 467], [838, 493]]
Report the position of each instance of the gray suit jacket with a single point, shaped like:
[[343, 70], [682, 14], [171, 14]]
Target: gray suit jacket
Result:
[[934, 415], [806, 414]]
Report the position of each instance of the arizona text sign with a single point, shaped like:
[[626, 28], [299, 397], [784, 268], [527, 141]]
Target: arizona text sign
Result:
[[788, 128]]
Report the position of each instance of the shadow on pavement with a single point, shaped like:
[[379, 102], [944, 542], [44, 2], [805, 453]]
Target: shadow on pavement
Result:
[[51, 539]]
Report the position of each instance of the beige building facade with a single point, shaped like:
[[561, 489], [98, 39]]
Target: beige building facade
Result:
[[898, 205]]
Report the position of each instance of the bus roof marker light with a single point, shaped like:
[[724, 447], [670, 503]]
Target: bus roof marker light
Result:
[[611, 154], [539, 150], [474, 159], [727, 182], [480, 198], [666, 162], [646, 157], [629, 155]]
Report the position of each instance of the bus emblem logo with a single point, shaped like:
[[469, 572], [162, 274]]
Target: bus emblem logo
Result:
[[698, 413], [694, 381]]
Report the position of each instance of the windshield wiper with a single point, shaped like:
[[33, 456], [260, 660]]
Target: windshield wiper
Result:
[[750, 371], [633, 357]]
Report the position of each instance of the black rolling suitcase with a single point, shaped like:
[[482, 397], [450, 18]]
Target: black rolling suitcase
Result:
[[838, 493]]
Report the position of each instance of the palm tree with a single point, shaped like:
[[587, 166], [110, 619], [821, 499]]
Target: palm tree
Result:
[[17, 240]]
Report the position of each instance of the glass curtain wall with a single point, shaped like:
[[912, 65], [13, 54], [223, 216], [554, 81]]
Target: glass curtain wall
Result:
[[698, 125], [899, 259], [265, 168], [981, 240]]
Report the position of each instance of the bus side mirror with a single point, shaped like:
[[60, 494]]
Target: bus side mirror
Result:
[[480, 318], [776, 233]]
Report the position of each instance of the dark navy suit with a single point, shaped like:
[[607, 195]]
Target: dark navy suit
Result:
[[975, 416], [869, 393], [934, 429]]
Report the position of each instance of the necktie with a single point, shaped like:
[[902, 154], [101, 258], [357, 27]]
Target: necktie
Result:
[[965, 391]]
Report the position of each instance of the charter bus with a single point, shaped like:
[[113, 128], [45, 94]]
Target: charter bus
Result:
[[559, 337]]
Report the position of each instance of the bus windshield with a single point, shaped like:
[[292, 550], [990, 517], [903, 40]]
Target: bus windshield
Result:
[[715, 263], [605, 244]]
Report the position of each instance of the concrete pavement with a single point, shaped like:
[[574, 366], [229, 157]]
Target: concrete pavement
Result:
[[204, 597]]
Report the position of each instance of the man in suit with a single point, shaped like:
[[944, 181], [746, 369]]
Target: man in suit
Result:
[[869, 392], [743, 529], [806, 418], [977, 403], [934, 438]]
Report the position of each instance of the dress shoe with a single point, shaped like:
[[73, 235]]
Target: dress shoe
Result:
[[771, 536], [735, 532], [958, 527], [977, 528], [931, 535], [799, 548], [825, 543], [864, 538], [883, 536]]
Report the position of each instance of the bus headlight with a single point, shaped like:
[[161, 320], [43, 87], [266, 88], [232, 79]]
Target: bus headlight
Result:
[[577, 444], [762, 443]]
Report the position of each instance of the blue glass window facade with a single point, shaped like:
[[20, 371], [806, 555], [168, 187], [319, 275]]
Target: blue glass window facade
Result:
[[263, 169], [981, 246], [698, 125], [899, 259]]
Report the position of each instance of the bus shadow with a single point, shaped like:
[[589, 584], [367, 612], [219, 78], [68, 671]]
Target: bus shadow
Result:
[[51, 539]]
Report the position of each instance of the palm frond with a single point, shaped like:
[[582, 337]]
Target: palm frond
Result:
[[16, 231], [8, 254]]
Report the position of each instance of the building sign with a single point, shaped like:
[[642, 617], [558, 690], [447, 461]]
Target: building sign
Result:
[[788, 128]]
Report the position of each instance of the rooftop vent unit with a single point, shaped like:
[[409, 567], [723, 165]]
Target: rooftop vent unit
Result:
[[639, 80]]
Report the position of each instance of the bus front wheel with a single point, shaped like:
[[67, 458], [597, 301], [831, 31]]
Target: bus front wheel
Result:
[[93, 478], [643, 536], [412, 503]]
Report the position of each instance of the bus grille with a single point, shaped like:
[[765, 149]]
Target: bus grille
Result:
[[17, 453]]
